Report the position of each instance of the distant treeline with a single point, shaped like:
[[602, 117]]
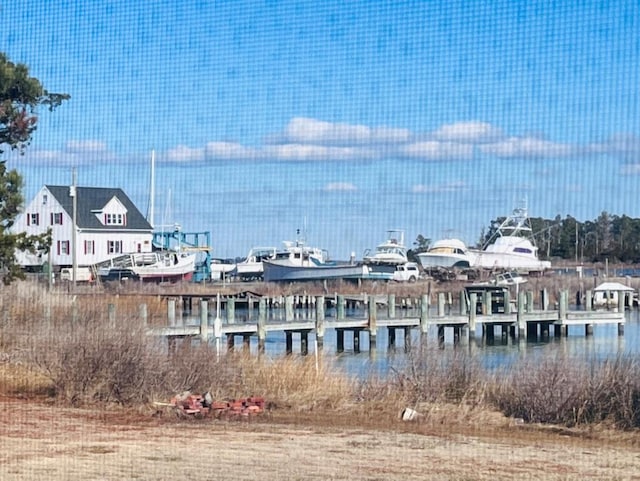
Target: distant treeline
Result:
[[612, 237]]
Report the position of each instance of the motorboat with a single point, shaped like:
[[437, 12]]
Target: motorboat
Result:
[[299, 262], [447, 253], [155, 266], [390, 252], [251, 267], [511, 247]]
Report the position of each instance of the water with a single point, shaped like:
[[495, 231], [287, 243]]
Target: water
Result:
[[605, 343]]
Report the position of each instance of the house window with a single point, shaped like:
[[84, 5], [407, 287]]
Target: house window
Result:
[[56, 218], [89, 247], [114, 247], [115, 219], [33, 219], [63, 248], [45, 198]]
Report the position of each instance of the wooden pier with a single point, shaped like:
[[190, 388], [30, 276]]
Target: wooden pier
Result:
[[518, 319]]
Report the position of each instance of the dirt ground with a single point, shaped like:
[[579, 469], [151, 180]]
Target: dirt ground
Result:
[[40, 441]]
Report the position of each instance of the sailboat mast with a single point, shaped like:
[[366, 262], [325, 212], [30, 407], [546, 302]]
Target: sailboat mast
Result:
[[152, 189]]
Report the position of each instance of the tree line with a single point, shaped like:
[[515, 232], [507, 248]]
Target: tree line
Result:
[[609, 236]]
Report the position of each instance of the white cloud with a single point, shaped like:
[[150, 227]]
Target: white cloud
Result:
[[182, 153], [85, 146], [302, 130], [528, 147], [468, 132], [304, 152], [230, 151], [433, 150], [449, 187], [340, 186]]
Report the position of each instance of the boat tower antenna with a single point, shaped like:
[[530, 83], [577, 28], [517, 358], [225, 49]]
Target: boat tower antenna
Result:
[[152, 189]]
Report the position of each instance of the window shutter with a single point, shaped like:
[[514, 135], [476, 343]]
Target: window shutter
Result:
[[28, 219], [58, 246], [61, 216], [51, 215]]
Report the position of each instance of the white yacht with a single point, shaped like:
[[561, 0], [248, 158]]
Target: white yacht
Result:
[[391, 252], [447, 253], [512, 246]]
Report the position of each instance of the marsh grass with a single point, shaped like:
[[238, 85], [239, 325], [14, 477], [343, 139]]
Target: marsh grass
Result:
[[51, 344]]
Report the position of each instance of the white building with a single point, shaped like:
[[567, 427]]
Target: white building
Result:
[[107, 224]]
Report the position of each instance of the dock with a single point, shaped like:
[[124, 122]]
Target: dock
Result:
[[214, 318]]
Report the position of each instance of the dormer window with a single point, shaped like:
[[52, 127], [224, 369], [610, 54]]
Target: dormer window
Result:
[[115, 219]]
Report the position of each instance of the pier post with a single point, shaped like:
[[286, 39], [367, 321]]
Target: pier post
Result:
[[356, 340], [204, 321], [588, 301], [544, 299], [488, 333], [391, 304], [529, 301], [621, 299], [407, 338], [456, 335], [507, 302], [304, 341], [373, 322], [339, 340], [424, 314], [392, 338], [487, 307], [440, 335], [180, 318], [340, 308], [246, 342], [231, 341], [143, 315], [262, 320], [441, 304], [112, 315], [563, 305], [288, 336], [473, 302], [217, 333], [620, 329], [522, 324], [231, 310], [288, 308], [464, 308], [319, 320], [588, 330], [171, 312]]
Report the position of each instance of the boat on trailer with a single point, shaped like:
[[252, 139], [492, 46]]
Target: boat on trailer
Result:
[[155, 266]]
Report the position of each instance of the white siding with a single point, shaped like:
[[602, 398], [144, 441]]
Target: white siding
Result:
[[62, 232]]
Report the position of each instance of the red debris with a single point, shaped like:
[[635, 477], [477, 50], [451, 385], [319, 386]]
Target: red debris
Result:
[[202, 405]]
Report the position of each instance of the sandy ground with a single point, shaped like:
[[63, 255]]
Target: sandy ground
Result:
[[46, 442]]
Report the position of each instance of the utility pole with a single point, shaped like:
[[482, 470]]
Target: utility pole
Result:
[[73, 195]]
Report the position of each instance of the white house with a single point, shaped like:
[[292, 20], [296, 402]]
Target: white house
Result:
[[107, 224]]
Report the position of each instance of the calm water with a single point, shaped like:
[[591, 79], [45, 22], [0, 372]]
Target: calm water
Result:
[[604, 343]]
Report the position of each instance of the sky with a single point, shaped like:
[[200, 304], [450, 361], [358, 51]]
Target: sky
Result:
[[339, 119]]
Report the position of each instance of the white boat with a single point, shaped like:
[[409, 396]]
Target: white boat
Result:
[[251, 267], [512, 246], [447, 253], [391, 252], [156, 266]]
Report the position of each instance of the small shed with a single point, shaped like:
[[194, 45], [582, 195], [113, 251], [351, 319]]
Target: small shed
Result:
[[607, 294]]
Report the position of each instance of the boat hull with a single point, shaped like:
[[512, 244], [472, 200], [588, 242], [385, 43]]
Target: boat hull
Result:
[[148, 267], [280, 271]]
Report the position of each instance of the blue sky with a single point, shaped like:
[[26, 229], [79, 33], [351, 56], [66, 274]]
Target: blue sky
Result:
[[342, 118]]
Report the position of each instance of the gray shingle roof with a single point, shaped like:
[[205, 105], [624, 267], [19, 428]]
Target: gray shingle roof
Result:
[[91, 199]]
